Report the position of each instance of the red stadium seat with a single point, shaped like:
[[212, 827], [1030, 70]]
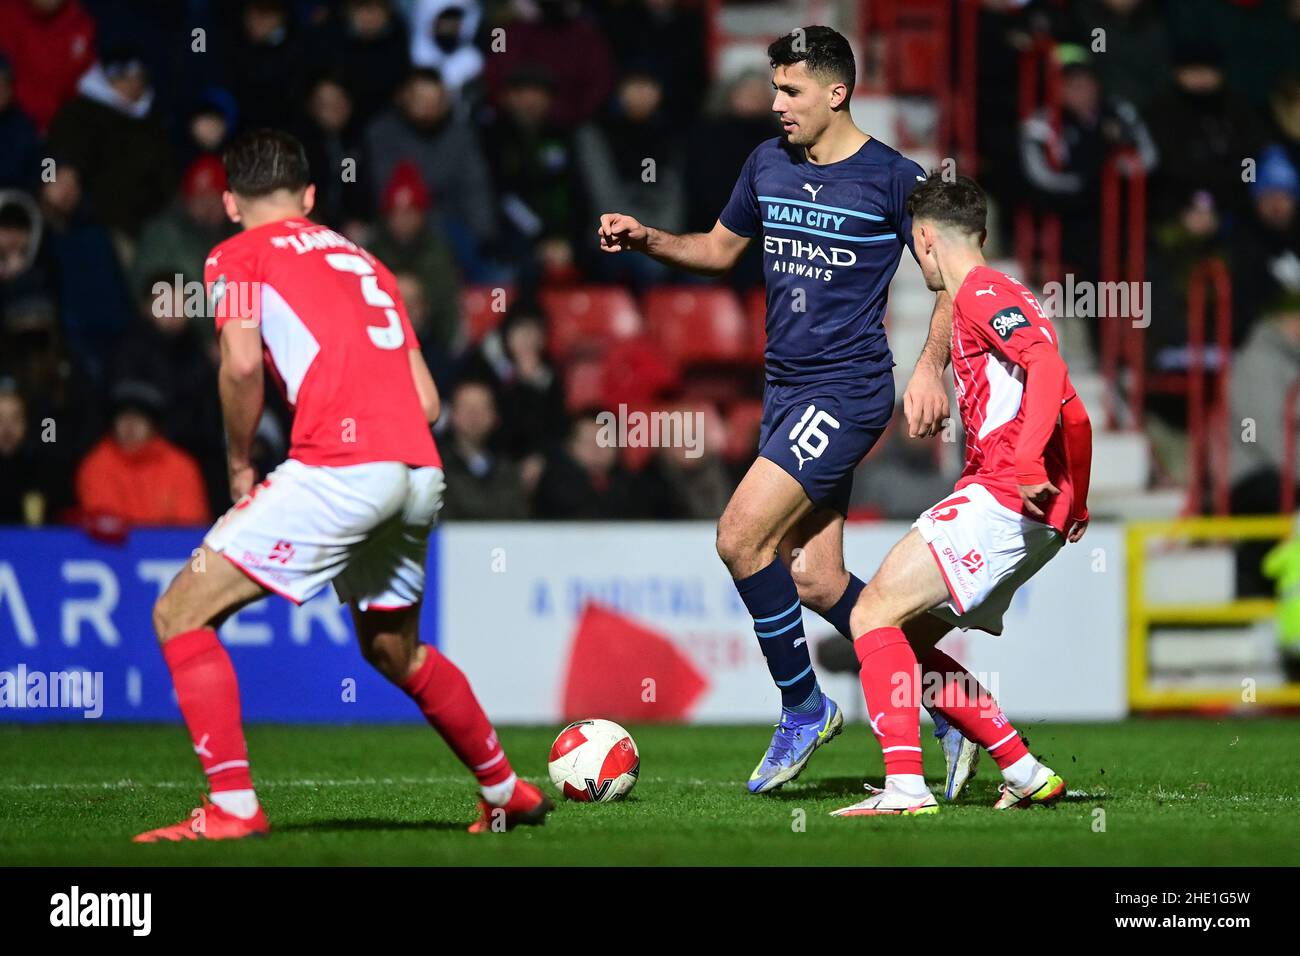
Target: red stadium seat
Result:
[[584, 385], [586, 319], [699, 324], [484, 307]]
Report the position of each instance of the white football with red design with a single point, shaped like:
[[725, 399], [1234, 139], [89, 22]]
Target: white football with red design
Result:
[[594, 761]]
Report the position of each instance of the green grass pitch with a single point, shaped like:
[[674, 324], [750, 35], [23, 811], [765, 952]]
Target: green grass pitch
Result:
[[1173, 791]]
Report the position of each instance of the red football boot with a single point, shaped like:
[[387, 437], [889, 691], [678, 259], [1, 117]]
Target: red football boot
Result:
[[527, 806], [208, 822]]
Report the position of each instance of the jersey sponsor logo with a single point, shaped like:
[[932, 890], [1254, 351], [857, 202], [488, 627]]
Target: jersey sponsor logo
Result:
[[817, 258], [813, 190], [1007, 321], [973, 561]]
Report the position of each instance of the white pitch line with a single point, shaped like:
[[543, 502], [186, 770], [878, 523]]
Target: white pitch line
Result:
[[267, 784]]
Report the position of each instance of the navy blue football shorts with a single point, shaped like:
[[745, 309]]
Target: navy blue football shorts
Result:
[[818, 432]]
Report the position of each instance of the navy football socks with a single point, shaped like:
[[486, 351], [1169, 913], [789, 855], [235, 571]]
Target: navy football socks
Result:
[[773, 602]]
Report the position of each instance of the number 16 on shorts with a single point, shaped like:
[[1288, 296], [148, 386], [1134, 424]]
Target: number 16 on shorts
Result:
[[809, 439]]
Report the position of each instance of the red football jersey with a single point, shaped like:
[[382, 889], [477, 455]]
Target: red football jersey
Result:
[[336, 335], [994, 318]]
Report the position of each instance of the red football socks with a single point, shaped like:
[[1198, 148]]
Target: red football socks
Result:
[[449, 705], [208, 695], [970, 708], [891, 682]]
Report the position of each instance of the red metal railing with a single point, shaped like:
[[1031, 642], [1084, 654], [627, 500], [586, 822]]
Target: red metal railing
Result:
[[1038, 243], [1206, 415], [1123, 239]]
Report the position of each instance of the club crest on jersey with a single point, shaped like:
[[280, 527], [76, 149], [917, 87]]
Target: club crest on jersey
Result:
[[1007, 321]]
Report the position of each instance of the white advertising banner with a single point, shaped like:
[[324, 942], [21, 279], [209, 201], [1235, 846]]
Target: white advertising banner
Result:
[[642, 622]]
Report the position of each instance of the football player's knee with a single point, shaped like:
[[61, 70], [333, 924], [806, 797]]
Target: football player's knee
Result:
[[164, 617]]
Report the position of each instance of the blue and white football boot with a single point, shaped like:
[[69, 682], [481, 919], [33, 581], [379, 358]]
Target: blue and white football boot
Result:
[[961, 755], [796, 737]]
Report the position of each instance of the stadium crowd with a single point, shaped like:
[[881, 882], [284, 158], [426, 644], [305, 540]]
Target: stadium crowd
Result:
[[461, 162]]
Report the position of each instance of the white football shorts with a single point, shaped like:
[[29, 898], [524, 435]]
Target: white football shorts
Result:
[[363, 527], [985, 552]]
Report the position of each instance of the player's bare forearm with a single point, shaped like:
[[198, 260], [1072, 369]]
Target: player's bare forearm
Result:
[[706, 253], [925, 402], [938, 343]]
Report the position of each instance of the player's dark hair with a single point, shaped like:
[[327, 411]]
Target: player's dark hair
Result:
[[261, 161], [14, 216], [823, 51], [959, 203]]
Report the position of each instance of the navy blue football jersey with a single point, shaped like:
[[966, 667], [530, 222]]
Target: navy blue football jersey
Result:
[[832, 236]]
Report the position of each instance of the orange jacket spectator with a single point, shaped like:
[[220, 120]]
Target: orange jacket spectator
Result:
[[50, 44], [136, 475]]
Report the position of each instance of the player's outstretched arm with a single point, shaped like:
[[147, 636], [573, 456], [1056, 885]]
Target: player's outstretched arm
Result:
[[925, 401], [707, 253], [240, 383]]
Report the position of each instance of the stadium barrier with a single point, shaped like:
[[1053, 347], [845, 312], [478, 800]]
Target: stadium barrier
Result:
[[1146, 616], [629, 621]]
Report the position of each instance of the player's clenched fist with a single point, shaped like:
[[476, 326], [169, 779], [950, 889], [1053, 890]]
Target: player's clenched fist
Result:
[[619, 233]]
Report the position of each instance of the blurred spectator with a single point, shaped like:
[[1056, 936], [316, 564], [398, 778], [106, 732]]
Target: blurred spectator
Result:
[[689, 481], [405, 242], [1064, 170], [717, 148], [209, 125], [1262, 376], [442, 37], [111, 132], [178, 240], [331, 138], [21, 273], [365, 42], [529, 391], [425, 315], [1202, 130], [170, 352], [902, 477], [614, 157], [19, 142], [29, 482], [50, 43], [264, 64], [62, 401], [584, 481], [1135, 64], [1284, 112], [667, 39], [533, 166], [1178, 247], [136, 475], [424, 130], [481, 485], [721, 142], [1266, 243], [94, 305], [558, 39]]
